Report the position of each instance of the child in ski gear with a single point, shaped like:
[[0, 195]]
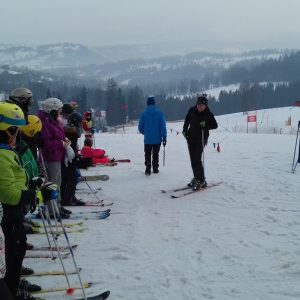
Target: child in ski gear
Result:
[[198, 121], [14, 193], [87, 125], [55, 144], [69, 180], [31, 134], [98, 155], [66, 110], [23, 98], [152, 125]]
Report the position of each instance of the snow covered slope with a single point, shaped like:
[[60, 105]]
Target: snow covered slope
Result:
[[239, 240]]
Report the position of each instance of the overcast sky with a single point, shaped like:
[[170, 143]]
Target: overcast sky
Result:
[[265, 23]]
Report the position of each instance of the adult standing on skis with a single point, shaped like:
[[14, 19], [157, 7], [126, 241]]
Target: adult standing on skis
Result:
[[152, 125], [198, 121]]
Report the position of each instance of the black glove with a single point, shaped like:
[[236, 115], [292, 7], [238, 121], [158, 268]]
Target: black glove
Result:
[[49, 191], [35, 183], [28, 198], [164, 142], [184, 133]]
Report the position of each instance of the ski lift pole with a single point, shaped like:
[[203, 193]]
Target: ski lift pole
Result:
[[294, 165]]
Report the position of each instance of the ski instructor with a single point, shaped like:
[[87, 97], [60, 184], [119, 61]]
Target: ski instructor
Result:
[[152, 125], [198, 121]]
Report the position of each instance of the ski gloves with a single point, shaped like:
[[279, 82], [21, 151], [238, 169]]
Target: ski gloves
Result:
[[35, 183], [184, 133], [48, 192], [164, 142]]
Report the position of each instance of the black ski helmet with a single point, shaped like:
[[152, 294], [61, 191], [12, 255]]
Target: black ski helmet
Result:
[[75, 119], [202, 99], [67, 109]]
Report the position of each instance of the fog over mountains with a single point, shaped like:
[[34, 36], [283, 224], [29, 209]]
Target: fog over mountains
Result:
[[128, 64]]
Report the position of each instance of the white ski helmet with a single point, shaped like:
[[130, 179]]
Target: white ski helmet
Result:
[[51, 104], [21, 97]]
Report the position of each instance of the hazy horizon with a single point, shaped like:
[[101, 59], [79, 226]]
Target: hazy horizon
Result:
[[252, 24]]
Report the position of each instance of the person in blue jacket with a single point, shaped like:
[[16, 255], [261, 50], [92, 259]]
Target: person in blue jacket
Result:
[[152, 125]]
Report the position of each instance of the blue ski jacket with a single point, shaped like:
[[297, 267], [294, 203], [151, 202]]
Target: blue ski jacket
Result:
[[152, 125]]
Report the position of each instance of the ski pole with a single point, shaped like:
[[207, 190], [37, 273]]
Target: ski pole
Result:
[[43, 166], [202, 133], [164, 156], [94, 141], [47, 235], [294, 165], [91, 189], [55, 242], [70, 248]]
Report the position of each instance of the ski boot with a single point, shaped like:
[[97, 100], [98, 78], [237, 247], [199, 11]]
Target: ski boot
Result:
[[199, 185], [191, 183], [29, 246], [28, 287], [24, 295], [155, 170], [148, 170], [26, 271]]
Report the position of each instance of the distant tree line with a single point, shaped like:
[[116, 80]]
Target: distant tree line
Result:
[[126, 103]]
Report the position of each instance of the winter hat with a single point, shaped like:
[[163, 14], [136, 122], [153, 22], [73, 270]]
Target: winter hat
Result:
[[202, 99], [151, 100]]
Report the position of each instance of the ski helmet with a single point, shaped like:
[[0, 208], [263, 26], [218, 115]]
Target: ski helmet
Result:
[[33, 127], [73, 104], [51, 104], [67, 109], [202, 99], [87, 114], [11, 115], [75, 119], [21, 97]]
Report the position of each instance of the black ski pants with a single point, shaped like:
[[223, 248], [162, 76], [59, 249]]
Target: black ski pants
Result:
[[15, 245], [68, 183], [195, 151], [152, 151]]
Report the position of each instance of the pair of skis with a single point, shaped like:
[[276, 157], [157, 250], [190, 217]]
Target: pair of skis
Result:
[[185, 191], [101, 296], [86, 285], [84, 215]]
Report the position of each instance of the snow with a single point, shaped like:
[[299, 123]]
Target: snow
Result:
[[239, 240]]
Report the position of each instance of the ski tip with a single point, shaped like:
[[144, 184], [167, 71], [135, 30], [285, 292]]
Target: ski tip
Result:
[[173, 197], [105, 295]]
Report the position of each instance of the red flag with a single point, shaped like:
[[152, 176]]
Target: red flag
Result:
[[297, 103], [251, 118]]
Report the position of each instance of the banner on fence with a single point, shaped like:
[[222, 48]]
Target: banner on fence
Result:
[[251, 118]]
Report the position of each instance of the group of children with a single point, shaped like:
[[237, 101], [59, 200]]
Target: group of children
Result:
[[38, 154]]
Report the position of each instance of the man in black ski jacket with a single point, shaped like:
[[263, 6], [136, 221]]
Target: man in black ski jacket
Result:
[[198, 121]]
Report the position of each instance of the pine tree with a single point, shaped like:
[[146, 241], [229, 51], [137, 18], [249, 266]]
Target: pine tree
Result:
[[114, 100]]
